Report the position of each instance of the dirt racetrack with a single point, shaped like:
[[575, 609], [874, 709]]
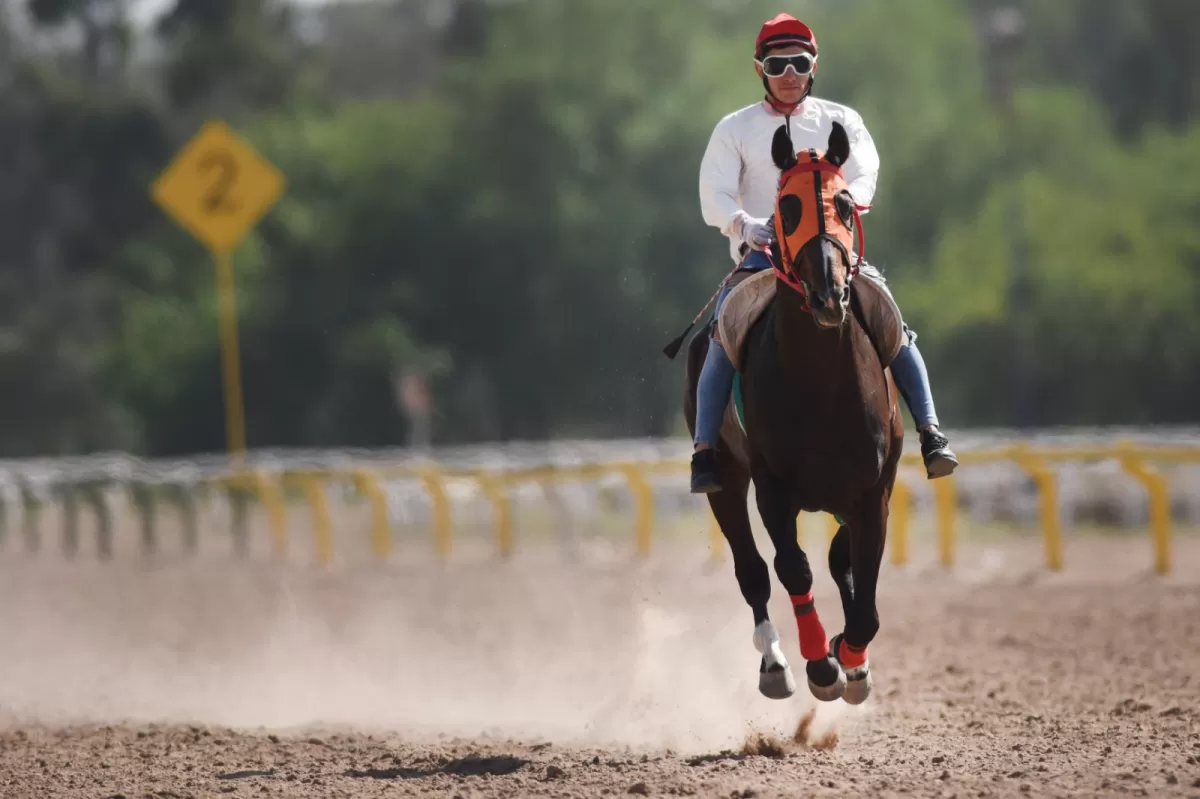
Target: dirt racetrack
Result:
[[542, 678]]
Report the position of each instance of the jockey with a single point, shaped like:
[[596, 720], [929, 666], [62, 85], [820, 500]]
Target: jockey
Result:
[[738, 184]]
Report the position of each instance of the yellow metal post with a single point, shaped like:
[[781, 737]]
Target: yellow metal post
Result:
[[314, 490], [443, 533], [716, 539], [381, 538], [231, 372], [496, 489], [946, 499], [1160, 508], [643, 498], [898, 517], [1041, 473], [271, 497]]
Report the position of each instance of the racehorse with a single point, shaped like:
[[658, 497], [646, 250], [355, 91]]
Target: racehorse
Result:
[[814, 423]]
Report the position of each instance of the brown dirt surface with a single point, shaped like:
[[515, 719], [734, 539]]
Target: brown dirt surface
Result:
[[543, 677]]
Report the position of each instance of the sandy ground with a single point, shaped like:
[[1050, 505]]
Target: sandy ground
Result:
[[543, 678]]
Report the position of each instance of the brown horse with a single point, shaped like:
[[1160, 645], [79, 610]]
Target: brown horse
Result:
[[822, 427]]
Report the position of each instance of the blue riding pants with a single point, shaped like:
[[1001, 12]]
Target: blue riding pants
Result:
[[716, 377], [908, 369]]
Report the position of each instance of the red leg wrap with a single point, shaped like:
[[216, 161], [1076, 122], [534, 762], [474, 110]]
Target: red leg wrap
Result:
[[851, 657], [814, 644]]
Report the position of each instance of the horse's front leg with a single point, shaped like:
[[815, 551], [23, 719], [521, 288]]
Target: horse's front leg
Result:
[[775, 680], [854, 562], [825, 678]]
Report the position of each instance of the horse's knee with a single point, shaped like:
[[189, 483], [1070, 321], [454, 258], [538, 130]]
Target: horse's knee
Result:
[[791, 564], [753, 578]]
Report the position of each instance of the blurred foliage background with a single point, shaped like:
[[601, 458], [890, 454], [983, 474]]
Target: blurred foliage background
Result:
[[501, 194]]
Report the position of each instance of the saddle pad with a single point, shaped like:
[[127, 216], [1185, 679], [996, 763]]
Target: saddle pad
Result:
[[877, 312], [880, 315], [742, 308]]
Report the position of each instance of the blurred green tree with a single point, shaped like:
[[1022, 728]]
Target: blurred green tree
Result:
[[511, 208]]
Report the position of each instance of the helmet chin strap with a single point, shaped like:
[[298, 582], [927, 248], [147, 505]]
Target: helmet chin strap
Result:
[[780, 105]]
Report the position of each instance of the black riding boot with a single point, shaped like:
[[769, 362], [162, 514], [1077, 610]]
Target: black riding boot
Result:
[[940, 460], [704, 472]]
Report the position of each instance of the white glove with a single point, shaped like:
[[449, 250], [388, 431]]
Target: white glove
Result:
[[757, 233]]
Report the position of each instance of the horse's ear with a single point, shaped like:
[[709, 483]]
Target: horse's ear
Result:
[[783, 152], [839, 146]]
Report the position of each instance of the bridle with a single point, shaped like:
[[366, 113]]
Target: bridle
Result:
[[785, 271]]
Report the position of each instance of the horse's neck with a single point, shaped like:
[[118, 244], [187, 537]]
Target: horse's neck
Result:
[[835, 388]]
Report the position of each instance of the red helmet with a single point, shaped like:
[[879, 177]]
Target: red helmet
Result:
[[784, 29]]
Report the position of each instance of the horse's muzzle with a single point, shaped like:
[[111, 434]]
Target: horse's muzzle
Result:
[[831, 307]]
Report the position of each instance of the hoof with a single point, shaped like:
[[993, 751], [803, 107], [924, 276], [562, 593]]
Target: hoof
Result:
[[858, 685], [826, 680], [858, 679], [776, 681]]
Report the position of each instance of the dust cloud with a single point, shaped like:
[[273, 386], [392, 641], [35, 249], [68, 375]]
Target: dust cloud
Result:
[[655, 654], [541, 677]]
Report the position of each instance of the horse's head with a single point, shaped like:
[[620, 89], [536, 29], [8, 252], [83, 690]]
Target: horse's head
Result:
[[815, 218]]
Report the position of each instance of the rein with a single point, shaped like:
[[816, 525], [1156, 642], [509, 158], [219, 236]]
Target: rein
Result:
[[784, 272]]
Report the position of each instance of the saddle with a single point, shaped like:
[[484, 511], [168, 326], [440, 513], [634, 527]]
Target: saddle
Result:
[[751, 296]]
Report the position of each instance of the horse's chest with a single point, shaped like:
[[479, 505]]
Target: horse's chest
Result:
[[827, 441], [834, 448]]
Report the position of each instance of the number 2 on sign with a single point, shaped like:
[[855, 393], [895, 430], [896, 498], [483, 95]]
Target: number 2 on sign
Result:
[[217, 199]]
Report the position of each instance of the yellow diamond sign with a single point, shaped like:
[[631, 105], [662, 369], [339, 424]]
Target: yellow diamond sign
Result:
[[218, 187]]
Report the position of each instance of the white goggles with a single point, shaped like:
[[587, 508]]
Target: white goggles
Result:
[[777, 65]]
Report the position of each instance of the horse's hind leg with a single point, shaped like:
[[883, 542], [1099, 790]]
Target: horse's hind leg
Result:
[[855, 566], [825, 678], [775, 679], [839, 568]]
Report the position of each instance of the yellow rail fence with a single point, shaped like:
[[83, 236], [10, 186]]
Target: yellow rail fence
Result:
[[271, 491]]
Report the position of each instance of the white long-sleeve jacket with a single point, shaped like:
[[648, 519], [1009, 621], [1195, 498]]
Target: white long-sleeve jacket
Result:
[[739, 179]]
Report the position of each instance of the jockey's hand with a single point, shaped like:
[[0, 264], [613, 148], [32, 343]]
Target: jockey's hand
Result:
[[757, 233]]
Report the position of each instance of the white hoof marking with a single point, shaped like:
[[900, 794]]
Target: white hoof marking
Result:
[[766, 641], [775, 679]]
